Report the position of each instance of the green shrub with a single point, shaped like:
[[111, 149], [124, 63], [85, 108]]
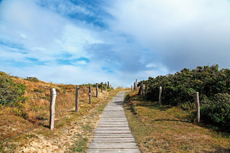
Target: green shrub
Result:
[[8, 89], [38, 90], [217, 111], [179, 88], [32, 79], [188, 106]]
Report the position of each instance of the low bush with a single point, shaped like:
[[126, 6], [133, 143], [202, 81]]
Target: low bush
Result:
[[217, 111], [8, 89], [178, 88], [32, 79]]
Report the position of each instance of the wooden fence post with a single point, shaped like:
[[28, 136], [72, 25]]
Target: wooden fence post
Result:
[[143, 91], [136, 83], [131, 87], [160, 92], [134, 86], [96, 89], [52, 107], [105, 86], [77, 99], [140, 90], [90, 95], [197, 101], [101, 86]]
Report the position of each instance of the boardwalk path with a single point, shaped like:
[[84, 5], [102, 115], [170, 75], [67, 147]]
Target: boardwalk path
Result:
[[112, 134]]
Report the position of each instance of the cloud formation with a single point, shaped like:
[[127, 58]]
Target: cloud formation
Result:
[[67, 41], [181, 33]]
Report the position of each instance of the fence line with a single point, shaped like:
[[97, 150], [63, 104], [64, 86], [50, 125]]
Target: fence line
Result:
[[52, 108], [196, 97]]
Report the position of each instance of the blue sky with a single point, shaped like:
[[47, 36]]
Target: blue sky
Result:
[[79, 42]]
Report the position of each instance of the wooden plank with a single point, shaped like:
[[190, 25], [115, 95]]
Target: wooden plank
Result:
[[113, 132], [103, 135], [112, 129], [113, 119], [130, 140], [113, 122], [113, 151], [113, 145]]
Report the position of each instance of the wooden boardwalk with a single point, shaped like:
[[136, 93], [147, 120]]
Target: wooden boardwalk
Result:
[[112, 134]]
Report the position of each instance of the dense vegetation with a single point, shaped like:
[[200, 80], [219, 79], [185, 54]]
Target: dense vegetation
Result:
[[8, 89], [178, 90]]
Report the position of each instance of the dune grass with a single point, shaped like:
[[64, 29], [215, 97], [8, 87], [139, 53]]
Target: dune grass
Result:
[[169, 129], [28, 113]]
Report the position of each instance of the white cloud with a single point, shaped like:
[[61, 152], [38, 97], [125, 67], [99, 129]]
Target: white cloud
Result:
[[81, 62], [25, 18], [182, 33], [42, 32], [150, 65]]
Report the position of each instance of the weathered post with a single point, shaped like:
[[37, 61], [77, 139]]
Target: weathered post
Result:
[[96, 89], [52, 107], [77, 99], [197, 101], [134, 86], [105, 86], [139, 92], [108, 83], [160, 92], [101, 86], [90, 95], [136, 83], [143, 91], [131, 87]]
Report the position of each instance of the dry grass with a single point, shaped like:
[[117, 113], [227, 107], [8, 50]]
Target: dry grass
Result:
[[28, 113], [167, 129]]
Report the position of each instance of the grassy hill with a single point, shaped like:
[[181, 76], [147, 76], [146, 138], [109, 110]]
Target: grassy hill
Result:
[[25, 105]]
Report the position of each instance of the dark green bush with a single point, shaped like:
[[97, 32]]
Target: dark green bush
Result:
[[8, 89], [179, 88], [217, 111], [32, 79]]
